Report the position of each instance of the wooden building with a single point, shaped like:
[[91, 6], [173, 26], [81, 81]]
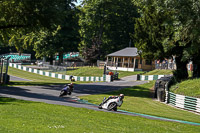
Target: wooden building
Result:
[[128, 59]]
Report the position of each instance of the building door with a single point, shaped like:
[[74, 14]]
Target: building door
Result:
[[136, 63]]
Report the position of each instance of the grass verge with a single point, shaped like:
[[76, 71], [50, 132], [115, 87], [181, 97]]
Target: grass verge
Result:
[[164, 72], [93, 71], [33, 117], [35, 79], [137, 99], [159, 72], [189, 87]]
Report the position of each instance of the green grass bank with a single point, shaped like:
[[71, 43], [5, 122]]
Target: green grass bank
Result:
[[34, 117], [190, 87], [139, 99]]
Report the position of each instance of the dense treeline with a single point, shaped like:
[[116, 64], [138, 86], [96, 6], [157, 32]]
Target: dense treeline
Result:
[[160, 29], [168, 28], [47, 27], [106, 25]]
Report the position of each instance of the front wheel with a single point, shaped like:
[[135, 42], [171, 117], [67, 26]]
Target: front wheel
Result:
[[62, 93], [99, 107], [112, 106]]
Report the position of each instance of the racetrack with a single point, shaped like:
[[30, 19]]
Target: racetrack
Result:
[[49, 94]]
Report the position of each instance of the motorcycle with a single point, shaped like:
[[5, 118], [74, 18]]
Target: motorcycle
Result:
[[72, 78], [67, 90], [111, 103]]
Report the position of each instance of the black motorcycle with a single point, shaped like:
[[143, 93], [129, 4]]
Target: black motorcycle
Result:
[[67, 90]]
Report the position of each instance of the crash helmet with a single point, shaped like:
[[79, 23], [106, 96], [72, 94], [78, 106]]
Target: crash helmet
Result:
[[71, 84], [121, 96]]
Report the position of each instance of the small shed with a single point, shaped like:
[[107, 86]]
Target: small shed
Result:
[[128, 59]]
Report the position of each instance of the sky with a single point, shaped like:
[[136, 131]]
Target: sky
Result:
[[78, 2]]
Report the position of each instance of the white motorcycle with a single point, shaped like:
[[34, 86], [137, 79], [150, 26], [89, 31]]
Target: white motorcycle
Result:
[[112, 103]]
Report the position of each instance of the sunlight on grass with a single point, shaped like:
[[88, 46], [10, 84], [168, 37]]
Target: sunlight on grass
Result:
[[137, 99], [159, 72], [36, 79], [95, 71], [190, 87], [23, 116]]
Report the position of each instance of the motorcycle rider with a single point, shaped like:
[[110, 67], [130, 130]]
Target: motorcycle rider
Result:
[[70, 87], [121, 97], [72, 78]]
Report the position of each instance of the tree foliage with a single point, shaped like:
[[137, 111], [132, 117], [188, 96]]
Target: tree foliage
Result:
[[64, 39], [168, 28], [28, 16], [187, 14], [109, 22], [67, 38], [151, 31], [47, 25]]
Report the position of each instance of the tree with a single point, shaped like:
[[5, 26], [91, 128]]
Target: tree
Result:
[[67, 38], [64, 39], [47, 26], [150, 32], [109, 22], [187, 14], [164, 29], [44, 46], [28, 16], [28, 22], [91, 54]]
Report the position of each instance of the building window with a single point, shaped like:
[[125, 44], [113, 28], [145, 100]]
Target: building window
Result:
[[148, 62]]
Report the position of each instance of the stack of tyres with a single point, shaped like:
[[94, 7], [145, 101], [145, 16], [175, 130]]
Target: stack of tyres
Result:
[[159, 88], [161, 94]]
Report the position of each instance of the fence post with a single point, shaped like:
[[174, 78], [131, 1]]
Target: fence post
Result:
[[108, 78], [1, 74], [138, 76]]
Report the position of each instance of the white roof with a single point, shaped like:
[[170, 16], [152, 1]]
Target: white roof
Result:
[[126, 52]]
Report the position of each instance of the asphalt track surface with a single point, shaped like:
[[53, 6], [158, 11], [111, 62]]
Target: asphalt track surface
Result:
[[49, 94], [14, 78]]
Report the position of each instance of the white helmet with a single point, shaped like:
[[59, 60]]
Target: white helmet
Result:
[[122, 96]]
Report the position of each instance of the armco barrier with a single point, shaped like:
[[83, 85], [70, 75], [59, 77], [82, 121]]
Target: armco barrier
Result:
[[150, 77], [105, 78], [181, 101], [184, 102]]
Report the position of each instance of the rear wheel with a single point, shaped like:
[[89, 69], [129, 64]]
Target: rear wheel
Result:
[[112, 106], [115, 109]]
